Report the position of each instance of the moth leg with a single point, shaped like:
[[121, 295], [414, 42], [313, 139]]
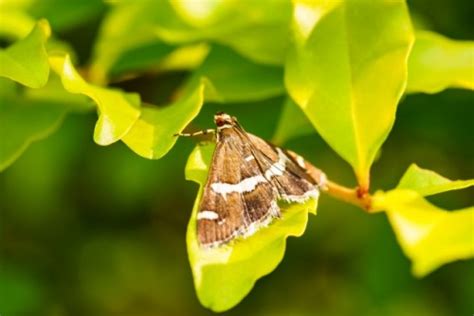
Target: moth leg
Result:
[[198, 133]]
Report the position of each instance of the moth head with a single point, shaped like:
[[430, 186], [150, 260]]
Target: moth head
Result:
[[224, 120]]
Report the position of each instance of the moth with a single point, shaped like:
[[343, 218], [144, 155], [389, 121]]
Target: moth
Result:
[[247, 177]]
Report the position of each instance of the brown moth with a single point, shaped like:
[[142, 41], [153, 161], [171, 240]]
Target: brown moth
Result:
[[247, 177]]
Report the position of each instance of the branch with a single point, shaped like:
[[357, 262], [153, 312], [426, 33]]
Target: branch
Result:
[[357, 196]]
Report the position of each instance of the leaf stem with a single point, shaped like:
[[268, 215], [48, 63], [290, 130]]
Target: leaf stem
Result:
[[357, 196]]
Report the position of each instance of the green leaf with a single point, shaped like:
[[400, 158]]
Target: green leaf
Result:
[[30, 116], [428, 235], [293, 123], [118, 111], [15, 23], [184, 57], [347, 75], [265, 43], [26, 61], [142, 58], [427, 182], [152, 29], [258, 30], [128, 44], [223, 276], [23, 124], [153, 135], [127, 33], [437, 63], [236, 79]]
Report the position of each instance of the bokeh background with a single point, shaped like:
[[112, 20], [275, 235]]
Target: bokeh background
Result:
[[90, 230]]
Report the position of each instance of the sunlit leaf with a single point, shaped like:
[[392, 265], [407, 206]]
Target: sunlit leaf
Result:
[[15, 24], [348, 75], [153, 29], [223, 276], [127, 43], [185, 57], [293, 123], [427, 182], [55, 46], [428, 235], [437, 63], [236, 79], [153, 134], [15, 4], [257, 29], [26, 61], [118, 110]]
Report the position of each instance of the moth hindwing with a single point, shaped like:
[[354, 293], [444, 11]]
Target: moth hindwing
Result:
[[247, 177]]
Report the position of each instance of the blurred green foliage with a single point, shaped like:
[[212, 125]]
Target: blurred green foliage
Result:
[[87, 230]]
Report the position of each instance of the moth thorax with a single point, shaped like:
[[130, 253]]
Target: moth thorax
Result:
[[223, 120]]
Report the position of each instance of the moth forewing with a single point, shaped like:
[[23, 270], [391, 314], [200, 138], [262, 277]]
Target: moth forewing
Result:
[[247, 177]]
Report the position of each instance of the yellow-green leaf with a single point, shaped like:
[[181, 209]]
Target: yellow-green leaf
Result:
[[118, 110], [437, 63], [136, 35], [428, 235], [223, 276], [347, 71], [26, 61], [185, 57], [153, 134], [15, 23], [256, 29], [427, 182]]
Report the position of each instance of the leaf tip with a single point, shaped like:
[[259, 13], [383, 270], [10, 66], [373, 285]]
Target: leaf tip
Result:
[[45, 27]]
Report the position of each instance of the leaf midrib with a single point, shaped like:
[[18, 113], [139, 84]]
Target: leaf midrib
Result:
[[355, 125]]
